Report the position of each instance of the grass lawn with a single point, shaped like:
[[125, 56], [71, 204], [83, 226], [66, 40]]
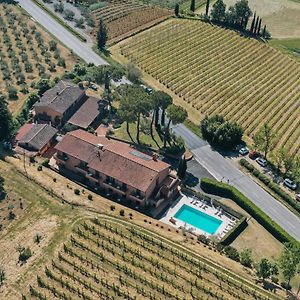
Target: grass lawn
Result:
[[288, 46], [145, 139], [259, 240]]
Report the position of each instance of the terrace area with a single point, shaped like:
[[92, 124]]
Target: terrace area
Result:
[[199, 216]]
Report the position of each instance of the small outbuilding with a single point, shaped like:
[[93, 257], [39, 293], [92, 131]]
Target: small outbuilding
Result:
[[35, 139]]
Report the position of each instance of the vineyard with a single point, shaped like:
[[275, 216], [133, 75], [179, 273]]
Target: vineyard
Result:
[[126, 17], [215, 70], [26, 55], [106, 258]]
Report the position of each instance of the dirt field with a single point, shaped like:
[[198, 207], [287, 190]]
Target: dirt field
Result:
[[282, 17]]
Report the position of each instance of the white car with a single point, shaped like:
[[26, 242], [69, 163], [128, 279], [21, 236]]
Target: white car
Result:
[[290, 184], [298, 197], [244, 151], [261, 161]]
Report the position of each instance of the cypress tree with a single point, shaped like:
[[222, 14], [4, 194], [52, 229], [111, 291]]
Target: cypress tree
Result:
[[207, 7], [6, 121], [264, 31], [182, 167], [193, 5], [101, 36], [256, 25], [259, 27], [176, 10], [253, 23]]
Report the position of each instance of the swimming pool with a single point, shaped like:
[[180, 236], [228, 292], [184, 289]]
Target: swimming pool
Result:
[[198, 219]]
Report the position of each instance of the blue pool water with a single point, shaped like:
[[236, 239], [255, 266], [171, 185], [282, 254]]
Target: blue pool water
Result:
[[198, 219]]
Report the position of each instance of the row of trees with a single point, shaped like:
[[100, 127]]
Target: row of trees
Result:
[[135, 103], [288, 263], [264, 141], [236, 16]]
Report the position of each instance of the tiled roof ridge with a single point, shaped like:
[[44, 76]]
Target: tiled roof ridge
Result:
[[42, 127], [131, 159], [109, 150], [59, 93]]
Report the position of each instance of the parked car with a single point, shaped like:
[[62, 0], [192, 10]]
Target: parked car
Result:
[[253, 154], [261, 161], [298, 197], [238, 147], [244, 151], [94, 87], [290, 184]]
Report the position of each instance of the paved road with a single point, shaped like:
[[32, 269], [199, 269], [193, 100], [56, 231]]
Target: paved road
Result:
[[222, 168], [82, 49], [218, 166]]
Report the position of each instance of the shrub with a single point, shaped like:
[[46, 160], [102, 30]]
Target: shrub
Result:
[[246, 258], [122, 212], [24, 254], [224, 190], [69, 14], [40, 168], [37, 238], [90, 197], [275, 279], [112, 207], [12, 92], [203, 239], [45, 163], [232, 253], [77, 192]]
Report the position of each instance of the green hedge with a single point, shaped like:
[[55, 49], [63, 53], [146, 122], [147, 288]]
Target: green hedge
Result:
[[224, 190], [232, 234], [273, 186]]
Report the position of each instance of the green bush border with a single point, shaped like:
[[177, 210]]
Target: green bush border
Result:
[[232, 234], [60, 21], [224, 190], [273, 186]]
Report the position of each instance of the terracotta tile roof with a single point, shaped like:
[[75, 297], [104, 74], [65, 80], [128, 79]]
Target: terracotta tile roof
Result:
[[86, 114], [113, 158], [22, 131], [61, 96], [38, 136]]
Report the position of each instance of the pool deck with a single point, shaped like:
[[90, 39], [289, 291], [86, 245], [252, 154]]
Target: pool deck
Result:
[[228, 221]]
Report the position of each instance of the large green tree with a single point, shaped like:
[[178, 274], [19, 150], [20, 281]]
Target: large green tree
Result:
[[243, 13], [218, 11], [265, 269], [264, 139], [217, 131], [289, 261], [6, 121], [134, 104], [176, 115], [102, 36], [127, 114]]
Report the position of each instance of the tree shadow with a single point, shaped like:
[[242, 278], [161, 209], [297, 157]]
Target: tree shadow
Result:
[[191, 180]]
